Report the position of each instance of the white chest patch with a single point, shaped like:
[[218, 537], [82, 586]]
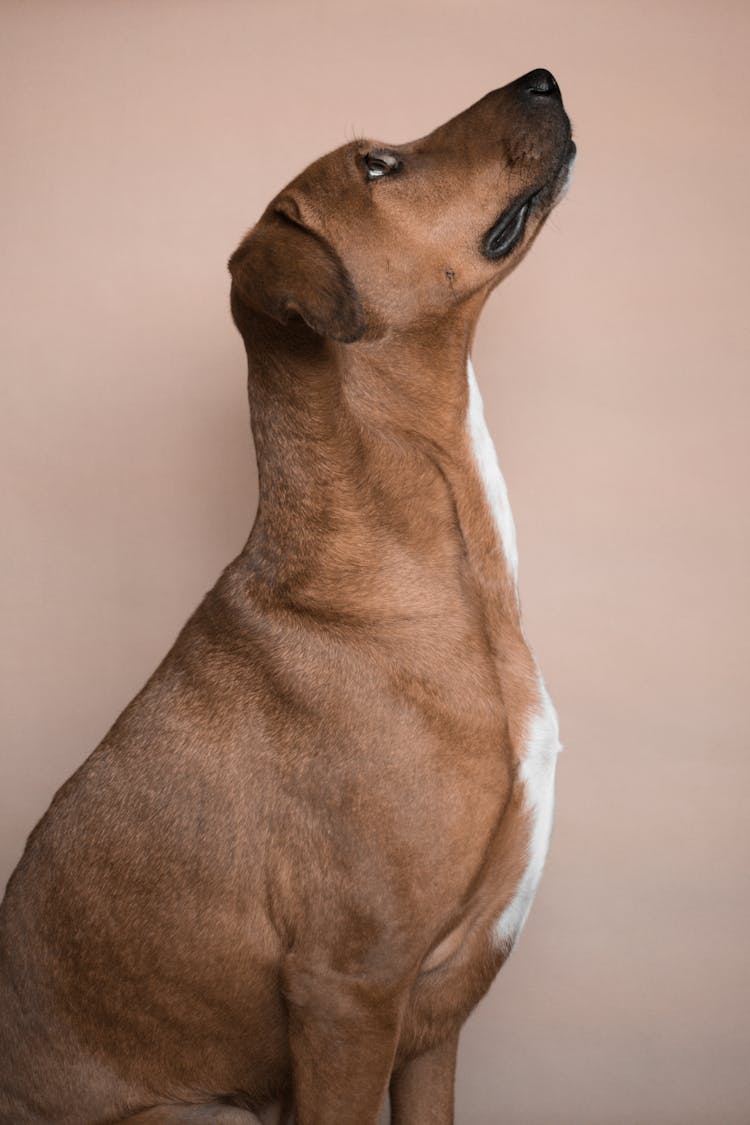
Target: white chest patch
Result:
[[537, 772], [542, 739], [489, 471]]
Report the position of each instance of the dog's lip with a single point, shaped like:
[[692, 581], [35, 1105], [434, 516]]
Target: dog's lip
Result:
[[506, 233]]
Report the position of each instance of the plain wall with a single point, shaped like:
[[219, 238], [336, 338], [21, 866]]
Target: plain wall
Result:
[[139, 140]]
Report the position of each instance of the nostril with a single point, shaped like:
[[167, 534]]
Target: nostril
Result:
[[541, 83]]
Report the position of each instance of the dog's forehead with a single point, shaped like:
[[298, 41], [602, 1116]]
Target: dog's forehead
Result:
[[335, 166], [328, 176], [340, 174]]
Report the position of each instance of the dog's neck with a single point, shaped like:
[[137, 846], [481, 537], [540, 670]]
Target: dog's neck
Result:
[[370, 470]]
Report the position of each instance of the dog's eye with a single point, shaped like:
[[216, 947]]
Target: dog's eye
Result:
[[379, 164]]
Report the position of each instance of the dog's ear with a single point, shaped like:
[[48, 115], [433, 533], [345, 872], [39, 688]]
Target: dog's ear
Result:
[[282, 268]]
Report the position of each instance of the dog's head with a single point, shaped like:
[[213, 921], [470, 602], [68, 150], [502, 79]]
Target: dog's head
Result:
[[376, 238]]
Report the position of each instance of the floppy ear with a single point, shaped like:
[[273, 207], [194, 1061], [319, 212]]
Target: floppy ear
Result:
[[282, 268]]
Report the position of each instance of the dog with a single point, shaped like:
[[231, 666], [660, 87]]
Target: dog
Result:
[[300, 856]]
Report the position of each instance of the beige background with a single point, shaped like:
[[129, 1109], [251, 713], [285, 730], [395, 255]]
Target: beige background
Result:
[[139, 140]]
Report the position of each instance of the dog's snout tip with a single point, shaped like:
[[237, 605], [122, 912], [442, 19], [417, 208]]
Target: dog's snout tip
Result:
[[540, 83]]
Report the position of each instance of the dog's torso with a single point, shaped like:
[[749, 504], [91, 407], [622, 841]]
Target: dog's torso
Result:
[[407, 758]]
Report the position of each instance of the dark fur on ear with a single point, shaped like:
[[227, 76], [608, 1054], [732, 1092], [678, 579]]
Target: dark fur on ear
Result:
[[282, 268]]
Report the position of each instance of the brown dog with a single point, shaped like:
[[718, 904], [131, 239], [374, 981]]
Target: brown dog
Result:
[[304, 850]]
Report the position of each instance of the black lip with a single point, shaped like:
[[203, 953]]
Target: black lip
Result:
[[504, 235]]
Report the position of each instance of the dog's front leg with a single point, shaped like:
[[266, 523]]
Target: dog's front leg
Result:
[[422, 1089], [343, 1030]]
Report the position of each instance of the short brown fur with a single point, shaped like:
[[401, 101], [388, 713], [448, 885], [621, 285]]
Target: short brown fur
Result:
[[274, 883]]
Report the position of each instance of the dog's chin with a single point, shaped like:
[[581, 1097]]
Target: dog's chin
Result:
[[508, 232], [564, 175]]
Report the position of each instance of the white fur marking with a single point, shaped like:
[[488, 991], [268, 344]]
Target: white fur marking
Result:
[[537, 772], [568, 177], [489, 471], [542, 742]]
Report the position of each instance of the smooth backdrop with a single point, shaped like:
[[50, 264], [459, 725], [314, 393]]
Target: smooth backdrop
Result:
[[139, 139]]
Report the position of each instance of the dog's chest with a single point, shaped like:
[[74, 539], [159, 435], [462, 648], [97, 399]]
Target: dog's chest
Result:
[[540, 741], [537, 777]]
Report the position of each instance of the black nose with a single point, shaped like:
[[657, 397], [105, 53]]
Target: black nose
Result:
[[540, 83]]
